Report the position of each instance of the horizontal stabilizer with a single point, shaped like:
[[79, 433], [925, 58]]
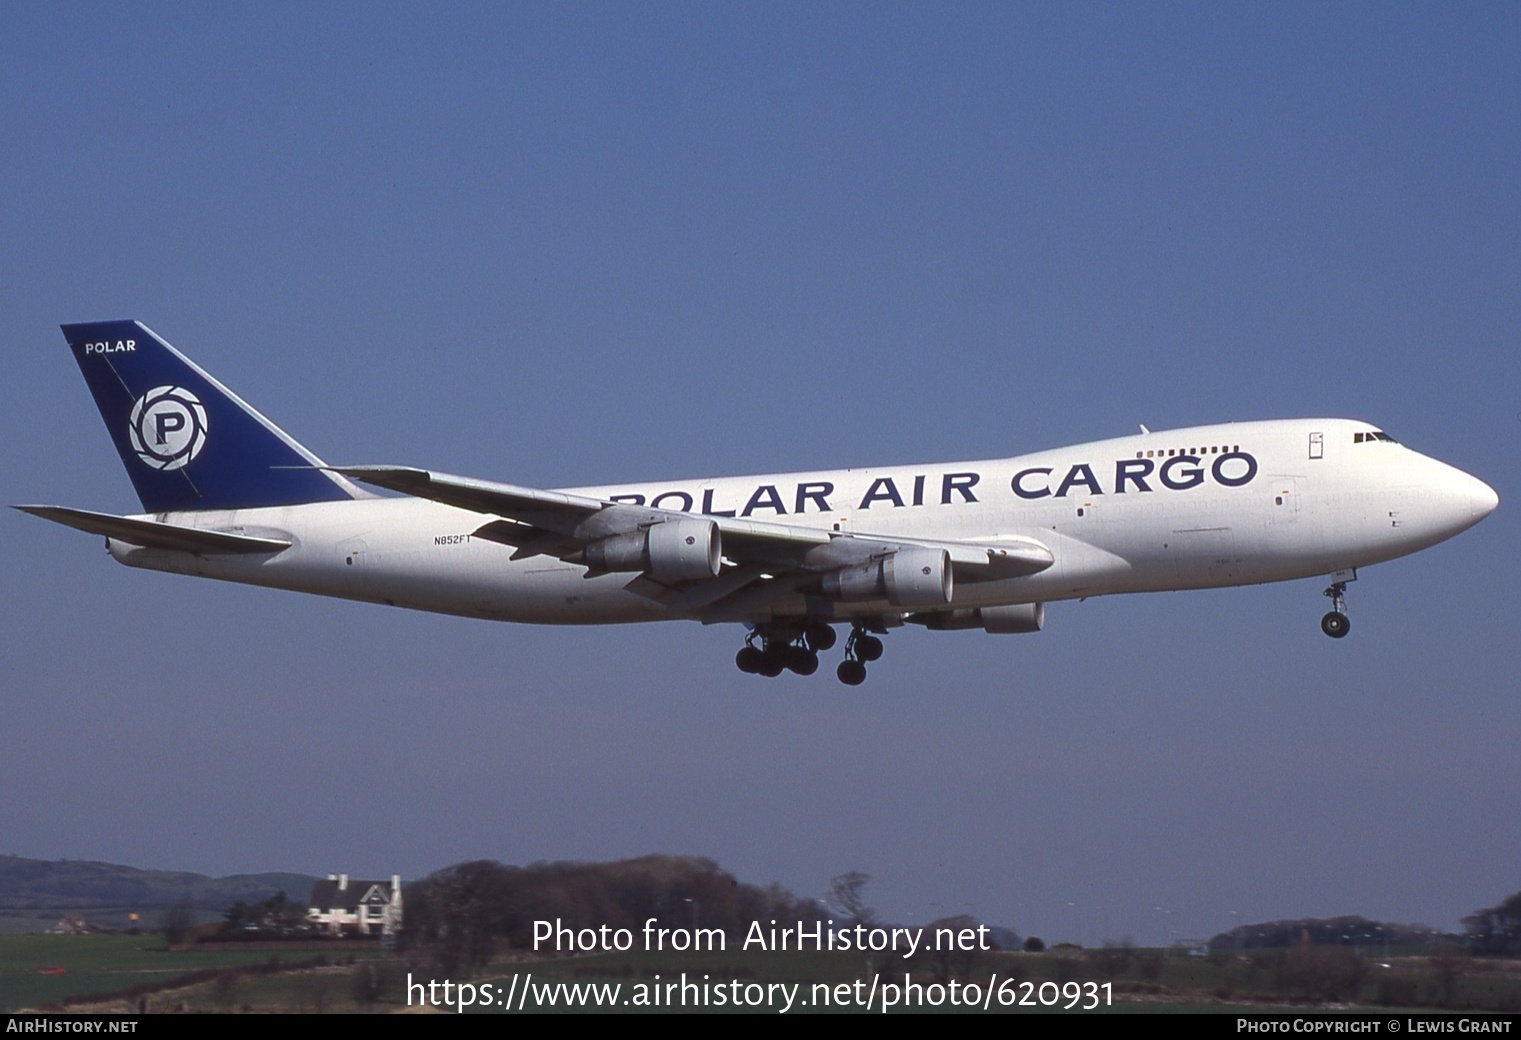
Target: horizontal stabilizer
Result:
[[154, 535]]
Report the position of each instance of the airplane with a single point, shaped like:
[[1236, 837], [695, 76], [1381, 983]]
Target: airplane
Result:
[[227, 494]]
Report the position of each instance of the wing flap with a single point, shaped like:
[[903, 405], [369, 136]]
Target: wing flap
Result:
[[153, 534], [755, 598], [694, 597]]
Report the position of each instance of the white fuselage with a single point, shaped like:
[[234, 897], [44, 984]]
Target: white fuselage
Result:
[[1232, 504]]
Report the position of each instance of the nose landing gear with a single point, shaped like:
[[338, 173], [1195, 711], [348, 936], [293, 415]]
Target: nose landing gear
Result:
[[1335, 624]]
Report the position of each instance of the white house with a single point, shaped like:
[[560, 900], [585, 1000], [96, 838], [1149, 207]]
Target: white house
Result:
[[345, 906]]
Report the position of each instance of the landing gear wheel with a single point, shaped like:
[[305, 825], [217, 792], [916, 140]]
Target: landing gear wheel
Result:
[[819, 636], [802, 661], [749, 660], [1335, 624], [851, 673], [868, 648], [770, 664]]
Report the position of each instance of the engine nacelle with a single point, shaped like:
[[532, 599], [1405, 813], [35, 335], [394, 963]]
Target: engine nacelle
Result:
[[1014, 620], [674, 550], [910, 577]]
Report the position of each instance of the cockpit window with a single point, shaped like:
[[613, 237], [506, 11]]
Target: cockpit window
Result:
[[1371, 436]]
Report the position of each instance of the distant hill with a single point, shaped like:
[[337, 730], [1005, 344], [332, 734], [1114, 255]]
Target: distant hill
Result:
[[41, 884], [1329, 931]]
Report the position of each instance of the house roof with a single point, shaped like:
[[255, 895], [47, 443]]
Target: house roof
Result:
[[326, 895]]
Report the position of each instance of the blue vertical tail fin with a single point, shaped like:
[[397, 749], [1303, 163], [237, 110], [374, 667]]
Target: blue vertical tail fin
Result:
[[187, 441]]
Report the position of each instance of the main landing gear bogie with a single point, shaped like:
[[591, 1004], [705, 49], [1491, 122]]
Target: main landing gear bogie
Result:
[[860, 648], [775, 657], [796, 648]]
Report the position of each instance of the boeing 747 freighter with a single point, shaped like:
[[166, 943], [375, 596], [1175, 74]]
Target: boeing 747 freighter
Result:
[[227, 494]]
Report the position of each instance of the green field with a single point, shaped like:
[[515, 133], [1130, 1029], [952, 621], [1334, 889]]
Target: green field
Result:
[[38, 921], [29, 965]]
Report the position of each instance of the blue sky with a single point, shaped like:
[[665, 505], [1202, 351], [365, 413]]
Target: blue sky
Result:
[[561, 245]]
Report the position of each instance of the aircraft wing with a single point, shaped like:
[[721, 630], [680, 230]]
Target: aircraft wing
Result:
[[155, 535], [764, 561], [575, 516]]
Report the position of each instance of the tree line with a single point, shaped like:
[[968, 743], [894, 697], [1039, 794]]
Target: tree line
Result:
[[463, 915], [1492, 932]]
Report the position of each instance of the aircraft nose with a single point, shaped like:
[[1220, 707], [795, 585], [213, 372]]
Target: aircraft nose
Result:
[[1482, 499], [1458, 499]]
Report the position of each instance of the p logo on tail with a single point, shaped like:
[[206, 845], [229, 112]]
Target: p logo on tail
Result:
[[168, 427]]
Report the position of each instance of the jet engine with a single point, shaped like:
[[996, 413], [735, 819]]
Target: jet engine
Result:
[[910, 577], [1014, 619], [673, 550]]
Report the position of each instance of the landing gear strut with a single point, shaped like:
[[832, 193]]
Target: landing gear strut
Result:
[[1335, 624]]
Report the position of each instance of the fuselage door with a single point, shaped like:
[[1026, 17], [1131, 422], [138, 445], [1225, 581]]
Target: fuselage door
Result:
[[1284, 508], [352, 551], [1206, 556], [353, 562]]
